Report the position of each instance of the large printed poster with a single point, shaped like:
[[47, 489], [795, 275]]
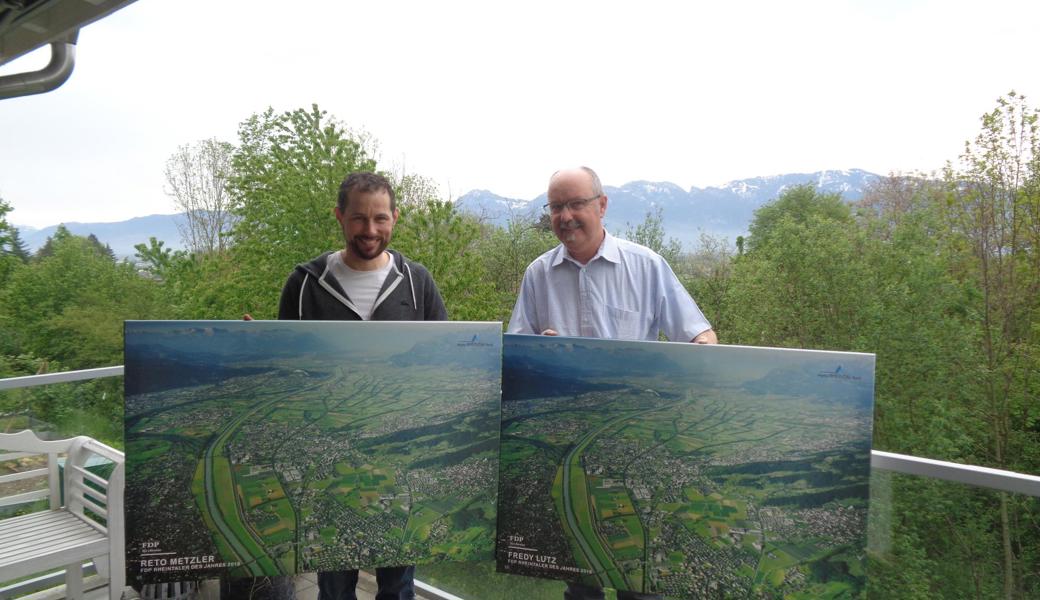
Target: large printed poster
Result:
[[693, 471], [277, 447]]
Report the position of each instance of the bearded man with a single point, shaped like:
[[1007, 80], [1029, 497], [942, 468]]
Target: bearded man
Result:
[[364, 281]]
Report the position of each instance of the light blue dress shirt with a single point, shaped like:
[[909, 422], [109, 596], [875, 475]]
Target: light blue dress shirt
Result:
[[626, 292]]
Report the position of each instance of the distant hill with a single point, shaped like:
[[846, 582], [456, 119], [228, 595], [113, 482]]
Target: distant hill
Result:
[[722, 211], [121, 236]]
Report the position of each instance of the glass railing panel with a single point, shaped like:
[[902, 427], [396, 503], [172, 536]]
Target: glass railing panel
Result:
[[91, 407], [473, 580], [930, 538]]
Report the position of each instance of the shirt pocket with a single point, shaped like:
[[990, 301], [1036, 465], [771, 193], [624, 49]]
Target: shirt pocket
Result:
[[627, 324]]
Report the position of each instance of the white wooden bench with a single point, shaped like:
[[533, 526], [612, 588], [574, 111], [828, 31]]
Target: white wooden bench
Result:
[[89, 526]]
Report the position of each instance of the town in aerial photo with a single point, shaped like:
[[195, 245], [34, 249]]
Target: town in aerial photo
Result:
[[688, 470], [280, 447]]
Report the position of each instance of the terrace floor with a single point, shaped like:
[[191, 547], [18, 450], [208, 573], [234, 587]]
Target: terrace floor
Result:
[[306, 589]]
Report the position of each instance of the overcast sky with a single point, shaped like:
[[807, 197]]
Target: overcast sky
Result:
[[490, 95]]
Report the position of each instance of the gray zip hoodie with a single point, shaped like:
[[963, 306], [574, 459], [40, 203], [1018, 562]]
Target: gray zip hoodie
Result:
[[408, 294]]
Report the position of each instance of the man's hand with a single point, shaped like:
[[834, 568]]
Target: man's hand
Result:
[[706, 337], [550, 332], [247, 317]]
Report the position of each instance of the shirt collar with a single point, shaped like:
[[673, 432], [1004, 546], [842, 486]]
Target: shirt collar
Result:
[[608, 250]]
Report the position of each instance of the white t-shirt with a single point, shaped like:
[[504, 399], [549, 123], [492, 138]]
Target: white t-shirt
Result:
[[362, 287]]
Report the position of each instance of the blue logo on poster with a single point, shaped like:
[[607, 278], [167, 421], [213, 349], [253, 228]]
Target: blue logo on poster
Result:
[[473, 342], [837, 374]]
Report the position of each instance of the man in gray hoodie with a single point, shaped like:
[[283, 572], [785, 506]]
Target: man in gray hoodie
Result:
[[363, 281]]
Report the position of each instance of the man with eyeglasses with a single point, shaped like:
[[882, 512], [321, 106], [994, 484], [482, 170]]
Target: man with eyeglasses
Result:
[[595, 285]]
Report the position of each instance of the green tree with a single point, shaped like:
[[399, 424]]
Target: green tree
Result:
[[707, 274], [507, 251], [70, 304], [797, 204], [18, 249], [286, 172], [802, 282], [9, 244], [957, 287], [650, 233], [442, 239], [992, 215]]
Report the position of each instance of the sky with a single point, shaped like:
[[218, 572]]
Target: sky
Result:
[[497, 96]]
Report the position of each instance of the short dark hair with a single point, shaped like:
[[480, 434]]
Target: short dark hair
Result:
[[364, 181]]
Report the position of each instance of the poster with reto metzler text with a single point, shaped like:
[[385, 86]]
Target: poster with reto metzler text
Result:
[[279, 447]]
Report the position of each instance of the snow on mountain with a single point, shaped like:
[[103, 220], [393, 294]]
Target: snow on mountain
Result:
[[722, 211]]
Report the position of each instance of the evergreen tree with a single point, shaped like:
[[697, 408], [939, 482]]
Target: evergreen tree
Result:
[[18, 249]]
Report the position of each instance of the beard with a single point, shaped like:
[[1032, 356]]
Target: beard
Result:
[[367, 248]]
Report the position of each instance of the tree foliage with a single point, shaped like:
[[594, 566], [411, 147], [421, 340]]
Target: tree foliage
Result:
[[287, 169], [650, 233], [992, 218], [440, 238], [940, 278], [801, 282], [707, 273], [506, 252], [9, 244], [70, 304]]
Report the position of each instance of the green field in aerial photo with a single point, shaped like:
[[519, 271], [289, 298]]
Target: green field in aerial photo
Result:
[[687, 470], [270, 447]]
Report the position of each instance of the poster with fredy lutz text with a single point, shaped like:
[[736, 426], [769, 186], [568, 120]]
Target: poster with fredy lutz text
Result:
[[688, 470]]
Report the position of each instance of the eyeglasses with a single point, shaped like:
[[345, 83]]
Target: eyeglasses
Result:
[[573, 205]]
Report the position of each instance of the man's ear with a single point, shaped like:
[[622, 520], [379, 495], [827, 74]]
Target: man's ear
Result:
[[602, 206]]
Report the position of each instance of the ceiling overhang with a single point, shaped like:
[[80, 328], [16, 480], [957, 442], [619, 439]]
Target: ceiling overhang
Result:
[[26, 25]]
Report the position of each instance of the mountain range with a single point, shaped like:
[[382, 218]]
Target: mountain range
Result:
[[724, 211], [121, 236]]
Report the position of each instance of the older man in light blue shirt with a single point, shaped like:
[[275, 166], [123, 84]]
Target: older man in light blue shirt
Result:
[[595, 285]]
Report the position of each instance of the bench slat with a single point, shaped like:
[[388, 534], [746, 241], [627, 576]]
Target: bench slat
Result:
[[24, 498], [23, 475], [61, 533], [88, 475]]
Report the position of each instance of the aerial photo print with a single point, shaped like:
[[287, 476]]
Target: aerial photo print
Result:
[[278, 447], [689, 470]]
